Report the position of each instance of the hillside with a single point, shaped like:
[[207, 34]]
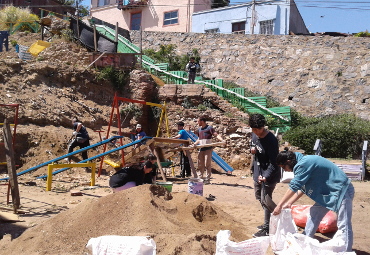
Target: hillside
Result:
[[56, 86]]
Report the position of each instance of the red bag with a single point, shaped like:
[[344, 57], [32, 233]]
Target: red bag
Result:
[[327, 225]]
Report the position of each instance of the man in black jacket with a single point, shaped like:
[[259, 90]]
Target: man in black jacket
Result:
[[266, 173], [131, 176]]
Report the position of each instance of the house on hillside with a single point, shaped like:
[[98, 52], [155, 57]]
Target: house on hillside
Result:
[[151, 15], [40, 7], [271, 17]]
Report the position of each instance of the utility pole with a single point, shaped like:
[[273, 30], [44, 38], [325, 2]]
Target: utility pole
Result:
[[253, 16]]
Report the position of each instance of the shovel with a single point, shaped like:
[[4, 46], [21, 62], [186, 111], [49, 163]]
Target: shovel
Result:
[[267, 200]]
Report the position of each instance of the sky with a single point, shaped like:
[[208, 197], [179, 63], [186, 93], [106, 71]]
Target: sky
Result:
[[345, 16]]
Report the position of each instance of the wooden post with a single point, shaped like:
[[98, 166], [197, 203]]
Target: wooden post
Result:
[[154, 151], [8, 141], [193, 170], [95, 42]]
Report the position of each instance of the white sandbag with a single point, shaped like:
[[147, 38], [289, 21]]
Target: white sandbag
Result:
[[114, 245], [302, 244], [254, 246], [280, 226]]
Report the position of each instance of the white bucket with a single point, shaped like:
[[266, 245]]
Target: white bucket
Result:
[[195, 186]]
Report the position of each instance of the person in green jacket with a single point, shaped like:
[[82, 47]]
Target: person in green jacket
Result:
[[326, 184]]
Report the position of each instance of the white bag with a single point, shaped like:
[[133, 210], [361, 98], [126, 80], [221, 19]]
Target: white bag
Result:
[[280, 226], [254, 246], [114, 245], [302, 244]]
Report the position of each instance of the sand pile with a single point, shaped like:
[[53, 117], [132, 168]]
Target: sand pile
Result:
[[179, 223]]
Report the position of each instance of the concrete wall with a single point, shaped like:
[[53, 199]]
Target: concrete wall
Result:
[[152, 16], [322, 75]]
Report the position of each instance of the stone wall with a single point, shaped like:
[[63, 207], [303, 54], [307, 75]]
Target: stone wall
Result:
[[317, 75]]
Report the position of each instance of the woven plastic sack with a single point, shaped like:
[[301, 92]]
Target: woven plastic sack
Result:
[[280, 226], [302, 244], [119, 245], [254, 246], [327, 225]]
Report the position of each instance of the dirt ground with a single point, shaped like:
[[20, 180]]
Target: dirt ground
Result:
[[55, 222]]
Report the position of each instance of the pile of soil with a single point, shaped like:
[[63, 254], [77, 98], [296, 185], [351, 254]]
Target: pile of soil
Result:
[[179, 223]]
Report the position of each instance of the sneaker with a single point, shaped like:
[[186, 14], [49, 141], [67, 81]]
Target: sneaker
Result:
[[260, 227], [206, 182], [262, 232]]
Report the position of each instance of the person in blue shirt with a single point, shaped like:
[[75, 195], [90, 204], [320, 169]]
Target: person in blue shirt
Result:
[[184, 160], [326, 184]]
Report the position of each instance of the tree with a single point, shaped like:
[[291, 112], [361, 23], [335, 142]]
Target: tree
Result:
[[220, 3], [82, 9]]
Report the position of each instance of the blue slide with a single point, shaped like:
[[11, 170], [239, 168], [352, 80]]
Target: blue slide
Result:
[[219, 161]]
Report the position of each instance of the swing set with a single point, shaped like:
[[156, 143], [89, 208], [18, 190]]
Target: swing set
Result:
[[115, 111]]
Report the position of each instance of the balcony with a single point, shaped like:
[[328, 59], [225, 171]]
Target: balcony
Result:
[[132, 4]]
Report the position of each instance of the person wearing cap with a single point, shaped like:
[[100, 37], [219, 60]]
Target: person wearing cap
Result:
[[138, 134], [80, 138], [184, 160], [131, 176]]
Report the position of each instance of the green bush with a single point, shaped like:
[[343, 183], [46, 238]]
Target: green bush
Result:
[[363, 34], [167, 54], [119, 79], [342, 135]]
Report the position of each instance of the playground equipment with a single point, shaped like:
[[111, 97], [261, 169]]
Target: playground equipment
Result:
[[99, 155], [52, 166], [115, 111], [65, 156]]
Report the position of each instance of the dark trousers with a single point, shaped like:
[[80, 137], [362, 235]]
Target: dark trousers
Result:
[[185, 165], [74, 144], [260, 192], [191, 77]]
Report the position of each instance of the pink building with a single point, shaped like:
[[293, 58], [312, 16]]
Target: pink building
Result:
[[151, 15]]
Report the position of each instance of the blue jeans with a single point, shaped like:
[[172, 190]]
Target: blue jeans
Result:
[[344, 221]]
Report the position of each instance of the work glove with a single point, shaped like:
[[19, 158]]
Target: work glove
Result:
[[74, 133]]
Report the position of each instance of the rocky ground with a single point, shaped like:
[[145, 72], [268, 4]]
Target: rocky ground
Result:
[[55, 86]]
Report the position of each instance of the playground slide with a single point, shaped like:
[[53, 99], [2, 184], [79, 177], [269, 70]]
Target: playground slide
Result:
[[100, 155], [66, 155], [217, 159]]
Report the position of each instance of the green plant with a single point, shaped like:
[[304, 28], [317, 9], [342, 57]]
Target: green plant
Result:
[[132, 109], [202, 107], [187, 104], [363, 34], [119, 79], [167, 54], [342, 135], [11, 17], [13, 43]]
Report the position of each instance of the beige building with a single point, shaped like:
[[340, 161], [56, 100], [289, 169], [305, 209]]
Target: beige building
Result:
[[151, 15]]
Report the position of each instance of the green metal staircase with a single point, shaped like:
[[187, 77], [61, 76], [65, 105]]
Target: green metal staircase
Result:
[[280, 115]]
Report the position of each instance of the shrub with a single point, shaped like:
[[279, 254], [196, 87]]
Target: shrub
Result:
[[119, 79], [363, 34], [342, 135], [11, 16]]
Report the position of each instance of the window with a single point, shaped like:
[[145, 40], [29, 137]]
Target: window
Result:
[[135, 21], [238, 28], [103, 2], [211, 31], [267, 27], [170, 18]]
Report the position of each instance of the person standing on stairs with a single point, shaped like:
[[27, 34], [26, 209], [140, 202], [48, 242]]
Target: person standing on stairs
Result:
[[191, 68]]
